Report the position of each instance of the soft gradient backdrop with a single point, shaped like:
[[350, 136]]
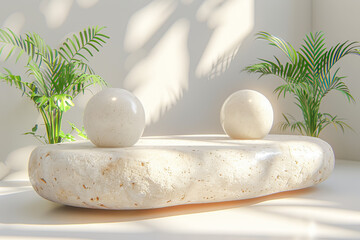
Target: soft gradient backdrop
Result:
[[181, 58]]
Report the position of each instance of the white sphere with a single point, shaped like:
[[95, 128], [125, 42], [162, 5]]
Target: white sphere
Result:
[[114, 117], [247, 114]]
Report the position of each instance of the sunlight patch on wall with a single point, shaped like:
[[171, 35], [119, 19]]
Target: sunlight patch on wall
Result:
[[145, 22], [15, 22], [160, 78], [231, 22], [206, 9], [55, 11]]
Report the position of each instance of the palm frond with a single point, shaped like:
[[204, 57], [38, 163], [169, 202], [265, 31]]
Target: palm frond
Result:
[[313, 50], [74, 49], [292, 124], [15, 80], [290, 72], [62, 77], [56, 76], [9, 40], [284, 46], [337, 83], [33, 70], [331, 57], [327, 119], [84, 67], [309, 78], [84, 81], [291, 87]]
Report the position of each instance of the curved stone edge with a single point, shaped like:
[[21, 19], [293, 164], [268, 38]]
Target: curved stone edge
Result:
[[186, 179]]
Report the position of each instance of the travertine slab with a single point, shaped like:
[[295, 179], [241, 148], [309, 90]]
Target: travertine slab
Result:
[[173, 170]]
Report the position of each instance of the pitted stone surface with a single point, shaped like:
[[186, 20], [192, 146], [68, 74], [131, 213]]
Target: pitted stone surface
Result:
[[173, 170]]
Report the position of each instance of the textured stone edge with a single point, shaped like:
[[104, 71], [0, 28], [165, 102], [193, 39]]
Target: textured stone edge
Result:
[[41, 157]]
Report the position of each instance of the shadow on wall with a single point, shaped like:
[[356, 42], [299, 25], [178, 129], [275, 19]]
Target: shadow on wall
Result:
[[55, 13], [165, 45], [172, 43], [184, 58]]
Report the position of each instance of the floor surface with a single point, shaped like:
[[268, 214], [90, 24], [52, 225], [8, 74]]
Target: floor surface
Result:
[[330, 210]]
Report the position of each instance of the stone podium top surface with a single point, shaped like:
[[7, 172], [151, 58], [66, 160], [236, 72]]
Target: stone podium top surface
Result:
[[208, 140]]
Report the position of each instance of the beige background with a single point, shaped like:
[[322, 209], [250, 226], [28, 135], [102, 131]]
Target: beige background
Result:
[[182, 58]]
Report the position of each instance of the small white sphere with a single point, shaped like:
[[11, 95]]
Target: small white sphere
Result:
[[247, 114], [114, 117]]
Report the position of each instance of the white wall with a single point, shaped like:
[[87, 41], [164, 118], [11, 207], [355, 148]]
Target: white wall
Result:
[[339, 20], [182, 58]]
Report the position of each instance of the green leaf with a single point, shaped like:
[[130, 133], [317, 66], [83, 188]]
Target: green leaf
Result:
[[88, 38], [34, 129], [54, 77], [308, 77], [67, 137], [81, 133]]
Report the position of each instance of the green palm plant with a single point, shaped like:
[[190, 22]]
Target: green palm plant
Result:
[[308, 76], [56, 76]]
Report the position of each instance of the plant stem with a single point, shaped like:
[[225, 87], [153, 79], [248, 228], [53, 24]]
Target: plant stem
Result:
[[52, 119], [310, 108]]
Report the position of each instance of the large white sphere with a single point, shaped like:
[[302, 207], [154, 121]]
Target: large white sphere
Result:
[[114, 117], [247, 114]]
